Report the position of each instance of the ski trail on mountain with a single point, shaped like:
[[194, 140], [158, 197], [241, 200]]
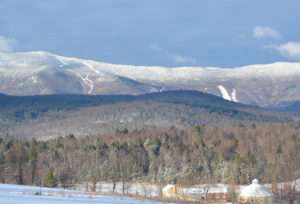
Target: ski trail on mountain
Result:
[[90, 66], [224, 93], [233, 95], [91, 83], [87, 81]]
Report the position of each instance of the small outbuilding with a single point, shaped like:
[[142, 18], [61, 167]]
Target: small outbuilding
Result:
[[169, 191], [217, 195], [256, 193]]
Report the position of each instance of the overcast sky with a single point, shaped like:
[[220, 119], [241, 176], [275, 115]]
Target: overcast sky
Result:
[[172, 33]]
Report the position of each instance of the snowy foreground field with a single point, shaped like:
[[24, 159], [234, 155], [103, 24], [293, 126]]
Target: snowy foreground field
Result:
[[17, 194]]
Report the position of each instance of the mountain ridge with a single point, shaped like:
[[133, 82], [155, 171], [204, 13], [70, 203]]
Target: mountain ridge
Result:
[[33, 73], [46, 116]]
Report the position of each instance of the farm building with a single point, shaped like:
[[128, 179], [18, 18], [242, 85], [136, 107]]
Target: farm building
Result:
[[256, 193], [217, 194], [209, 194], [169, 191]]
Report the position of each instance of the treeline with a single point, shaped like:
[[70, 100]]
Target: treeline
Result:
[[194, 155]]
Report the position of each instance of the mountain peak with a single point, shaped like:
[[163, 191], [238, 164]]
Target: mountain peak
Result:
[[32, 73]]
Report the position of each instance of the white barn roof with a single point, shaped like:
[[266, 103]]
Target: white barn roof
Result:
[[256, 190], [203, 190], [167, 187], [196, 190], [217, 190], [192, 191]]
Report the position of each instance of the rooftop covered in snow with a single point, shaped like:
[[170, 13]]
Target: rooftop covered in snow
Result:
[[256, 190]]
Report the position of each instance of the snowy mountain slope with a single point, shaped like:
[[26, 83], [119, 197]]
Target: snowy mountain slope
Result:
[[44, 73]]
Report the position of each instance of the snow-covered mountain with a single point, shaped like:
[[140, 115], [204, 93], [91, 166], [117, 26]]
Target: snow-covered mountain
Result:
[[34, 73]]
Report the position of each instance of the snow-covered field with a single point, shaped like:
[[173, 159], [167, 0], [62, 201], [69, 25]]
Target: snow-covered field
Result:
[[136, 189], [17, 194]]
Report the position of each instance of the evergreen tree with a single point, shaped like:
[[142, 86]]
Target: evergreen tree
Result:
[[50, 180]]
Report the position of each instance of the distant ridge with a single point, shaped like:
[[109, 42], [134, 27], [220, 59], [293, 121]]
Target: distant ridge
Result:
[[39, 73], [46, 116]]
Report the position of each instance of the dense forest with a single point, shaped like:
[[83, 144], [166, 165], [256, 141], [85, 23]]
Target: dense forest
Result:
[[20, 108], [58, 115], [193, 155], [24, 108]]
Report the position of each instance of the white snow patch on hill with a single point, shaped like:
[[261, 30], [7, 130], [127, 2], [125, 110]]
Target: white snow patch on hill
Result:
[[87, 81], [233, 95], [224, 93]]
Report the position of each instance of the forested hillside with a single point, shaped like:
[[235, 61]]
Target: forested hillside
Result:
[[58, 115], [194, 155]]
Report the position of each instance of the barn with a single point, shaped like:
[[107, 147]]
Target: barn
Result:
[[256, 193], [217, 194]]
